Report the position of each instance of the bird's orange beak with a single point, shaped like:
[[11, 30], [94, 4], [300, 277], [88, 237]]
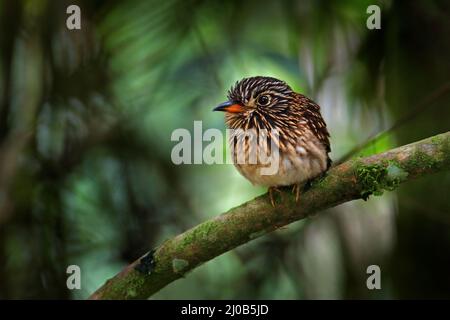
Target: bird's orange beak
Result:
[[229, 106]]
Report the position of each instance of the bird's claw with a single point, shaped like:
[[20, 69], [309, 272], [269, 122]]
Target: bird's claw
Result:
[[296, 188], [296, 191], [271, 190]]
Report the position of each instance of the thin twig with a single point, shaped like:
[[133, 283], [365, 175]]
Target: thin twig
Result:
[[423, 105]]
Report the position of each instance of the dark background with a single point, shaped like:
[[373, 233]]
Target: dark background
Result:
[[86, 118]]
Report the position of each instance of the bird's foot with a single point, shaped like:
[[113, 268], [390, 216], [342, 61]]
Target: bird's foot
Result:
[[271, 191], [296, 188]]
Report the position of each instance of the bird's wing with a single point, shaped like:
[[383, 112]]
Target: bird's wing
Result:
[[315, 122]]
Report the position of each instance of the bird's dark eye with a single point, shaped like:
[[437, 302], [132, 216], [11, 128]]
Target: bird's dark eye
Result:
[[263, 100]]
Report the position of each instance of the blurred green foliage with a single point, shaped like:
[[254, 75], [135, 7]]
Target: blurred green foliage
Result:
[[86, 118]]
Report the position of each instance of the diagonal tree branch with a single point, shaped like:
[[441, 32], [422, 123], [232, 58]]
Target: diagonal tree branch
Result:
[[354, 179]]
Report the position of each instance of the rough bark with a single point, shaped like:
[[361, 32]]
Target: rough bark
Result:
[[355, 179]]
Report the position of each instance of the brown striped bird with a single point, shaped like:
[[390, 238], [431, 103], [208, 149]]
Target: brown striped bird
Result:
[[283, 121]]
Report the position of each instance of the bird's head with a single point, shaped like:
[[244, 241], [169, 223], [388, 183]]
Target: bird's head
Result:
[[257, 101]]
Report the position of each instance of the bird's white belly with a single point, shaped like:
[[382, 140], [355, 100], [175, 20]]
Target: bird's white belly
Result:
[[294, 165], [291, 170]]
